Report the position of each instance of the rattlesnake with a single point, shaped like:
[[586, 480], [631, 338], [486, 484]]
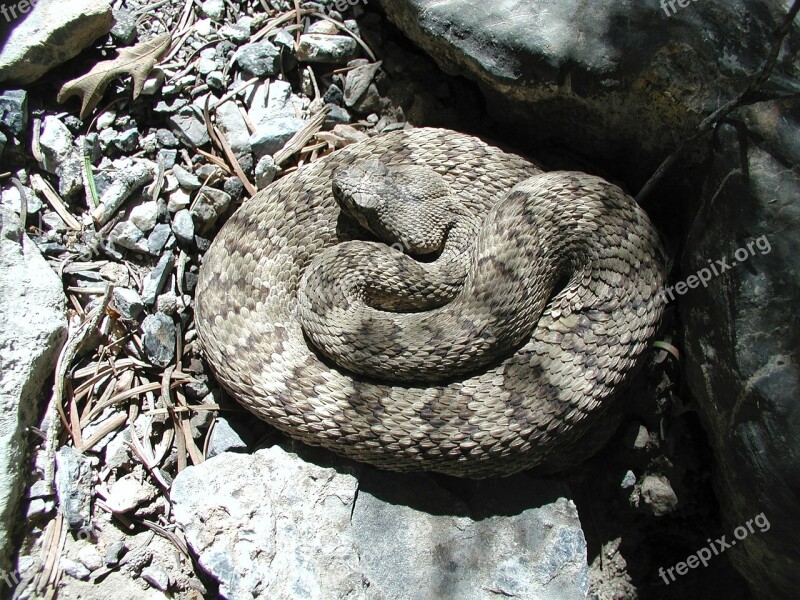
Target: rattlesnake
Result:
[[532, 405]]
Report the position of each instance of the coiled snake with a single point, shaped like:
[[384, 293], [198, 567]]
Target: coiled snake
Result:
[[505, 368]]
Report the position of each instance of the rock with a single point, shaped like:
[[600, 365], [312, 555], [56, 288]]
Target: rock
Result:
[[129, 492], [234, 128], [210, 204], [114, 552], [350, 133], [126, 235], [145, 215], [158, 239], [186, 180], [234, 187], [12, 200], [75, 569], [14, 111], [189, 127], [117, 451], [124, 29], [271, 135], [657, 495], [266, 169], [259, 59], [358, 81], [155, 280], [56, 142], [323, 27], [336, 116], [208, 61], [628, 481], [53, 222], [239, 32], [127, 302], [559, 71], [183, 226], [130, 175], [741, 336], [178, 200], [300, 530], [216, 80], [167, 157], [170, 304], [3, 142], [156, 576], [317, 48], [333, 95], [158, 341], [224, 438], [60, 157], [371, 101], [33, 328], [74, 486], [166, 138], [277, 102], [90, 557], [213, 9], [51, 33]]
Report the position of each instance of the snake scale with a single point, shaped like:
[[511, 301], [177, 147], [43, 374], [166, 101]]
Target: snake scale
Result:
[[572, 252]]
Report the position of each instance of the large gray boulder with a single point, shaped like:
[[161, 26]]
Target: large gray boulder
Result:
[[622, 83], [48, 33], [32, 329], [742, 338], [273, 525], [619, 81]]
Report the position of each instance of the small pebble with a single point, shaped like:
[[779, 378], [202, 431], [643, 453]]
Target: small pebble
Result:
[[75, 569], [155, 280], [145, 216], [128, 492], [156, 576], [210, 203], [158, 239], [127, 302], [90, 557], [266, 169], [183, 226], [628, 481], [159, 339], [224, 438], [188, 181], [259, 59], [114, 552]]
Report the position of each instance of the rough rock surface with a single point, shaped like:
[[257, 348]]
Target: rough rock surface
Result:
[[616, 80], [271, 525], [51, 33], [742, 338], [32, 330]]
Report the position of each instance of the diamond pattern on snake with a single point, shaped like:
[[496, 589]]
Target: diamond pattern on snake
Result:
[[521, 304]]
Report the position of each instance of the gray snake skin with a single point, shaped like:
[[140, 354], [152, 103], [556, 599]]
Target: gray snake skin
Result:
[[493, 375]]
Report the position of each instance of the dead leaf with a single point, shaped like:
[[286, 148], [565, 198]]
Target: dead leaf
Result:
[[137, 62]]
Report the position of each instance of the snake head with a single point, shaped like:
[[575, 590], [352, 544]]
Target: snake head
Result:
[[409, 205]]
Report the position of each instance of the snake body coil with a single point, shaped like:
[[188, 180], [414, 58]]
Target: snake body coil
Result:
[[489, 375]]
